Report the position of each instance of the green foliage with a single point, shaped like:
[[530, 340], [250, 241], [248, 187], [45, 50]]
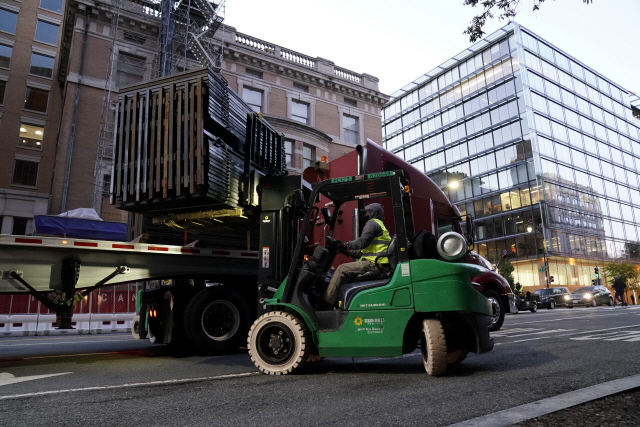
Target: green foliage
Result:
[[628, 272], [507, 9], [505, 269]]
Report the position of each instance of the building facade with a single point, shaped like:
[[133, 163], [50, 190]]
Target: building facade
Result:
[[322, 109], [30, 105], [538, 148]]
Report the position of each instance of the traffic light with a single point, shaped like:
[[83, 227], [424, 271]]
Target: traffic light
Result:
[[597, 270], [550, 279], [593, 282]]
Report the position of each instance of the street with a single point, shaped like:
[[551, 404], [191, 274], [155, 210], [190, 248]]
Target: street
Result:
[[116, 380]]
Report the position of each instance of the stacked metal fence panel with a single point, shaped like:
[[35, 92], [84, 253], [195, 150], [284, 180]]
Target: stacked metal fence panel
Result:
[[188, 142]]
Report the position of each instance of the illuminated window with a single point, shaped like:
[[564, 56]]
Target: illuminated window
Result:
[[30, 136]]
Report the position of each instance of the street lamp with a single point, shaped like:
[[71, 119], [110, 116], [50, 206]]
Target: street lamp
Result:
[[454, 184]]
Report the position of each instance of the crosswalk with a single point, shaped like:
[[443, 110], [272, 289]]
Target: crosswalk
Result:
[[521, 332], [626, 336]]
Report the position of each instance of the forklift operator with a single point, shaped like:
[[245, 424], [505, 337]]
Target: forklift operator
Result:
[[374, 241]]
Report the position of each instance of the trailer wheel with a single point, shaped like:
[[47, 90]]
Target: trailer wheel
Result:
[[434, 347], [278, 343], [216, 319]]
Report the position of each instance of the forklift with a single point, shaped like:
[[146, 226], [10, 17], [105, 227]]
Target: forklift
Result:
[[417, 299]]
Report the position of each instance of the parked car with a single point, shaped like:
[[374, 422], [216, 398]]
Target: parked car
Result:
[[552, 297], [589, 296]]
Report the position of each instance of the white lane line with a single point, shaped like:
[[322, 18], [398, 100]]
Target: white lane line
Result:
[[132, 385], [573, 333], [546, 406], [93, 337], [64, 342], [568, 318], [6, 378], [541, 332]]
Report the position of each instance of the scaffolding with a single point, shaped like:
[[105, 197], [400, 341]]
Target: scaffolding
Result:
[[186, 40]]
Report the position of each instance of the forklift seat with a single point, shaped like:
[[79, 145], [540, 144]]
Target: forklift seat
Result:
[[347, 292]]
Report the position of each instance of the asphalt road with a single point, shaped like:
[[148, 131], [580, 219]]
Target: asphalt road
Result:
[[116, 380]]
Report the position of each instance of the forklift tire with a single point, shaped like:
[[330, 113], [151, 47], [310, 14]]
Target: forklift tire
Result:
[[434, 347], [498, 307], [456, 356], [279, 343], [216, 320]]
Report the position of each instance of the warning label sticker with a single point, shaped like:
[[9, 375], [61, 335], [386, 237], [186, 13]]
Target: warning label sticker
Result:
[[265, 257]]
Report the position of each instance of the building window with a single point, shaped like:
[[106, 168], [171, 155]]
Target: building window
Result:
[[41, 65], [134, 38], [300, 111], [25, 173], [30, 136], [308, 156], [253, 73], [288, 149], [130, 69], [8, 21], [5, 55], [47, 32], [350, 127], [3, 86], [52, 5], [351, 102], [301, 88], [36, 99], [252, 97]]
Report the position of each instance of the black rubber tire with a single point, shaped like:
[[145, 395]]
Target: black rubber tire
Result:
[[434, 347], [491, 294], [135, 327], [551, 305], [193, 320], [457, 356], [594, 303], [534, 307], [299, 349], [569, 306], [610, 302]]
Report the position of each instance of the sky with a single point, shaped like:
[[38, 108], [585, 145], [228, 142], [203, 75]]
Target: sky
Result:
[[398, 41]]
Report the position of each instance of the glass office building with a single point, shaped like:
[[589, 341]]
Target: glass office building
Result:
[[537, 146]]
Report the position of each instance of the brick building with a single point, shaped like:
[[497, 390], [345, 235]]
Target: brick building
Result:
[[322, 109], [30, 106]]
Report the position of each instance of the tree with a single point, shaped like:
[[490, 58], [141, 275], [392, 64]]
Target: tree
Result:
[[507, 10], [628, 272], [505, 269]]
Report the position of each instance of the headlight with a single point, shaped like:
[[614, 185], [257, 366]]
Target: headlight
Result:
[[452, 246], [566, 298], [587, 296]]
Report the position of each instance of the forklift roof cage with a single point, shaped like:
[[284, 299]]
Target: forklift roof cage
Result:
[[349, 188]]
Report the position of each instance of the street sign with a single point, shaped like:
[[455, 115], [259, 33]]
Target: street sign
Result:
[[543, 268]]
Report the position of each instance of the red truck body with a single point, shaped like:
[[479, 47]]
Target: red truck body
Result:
[[431, 208]]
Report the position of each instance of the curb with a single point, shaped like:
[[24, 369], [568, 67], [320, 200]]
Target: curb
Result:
[[546, 406]]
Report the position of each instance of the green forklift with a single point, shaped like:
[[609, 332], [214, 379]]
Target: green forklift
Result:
[[417, 300]]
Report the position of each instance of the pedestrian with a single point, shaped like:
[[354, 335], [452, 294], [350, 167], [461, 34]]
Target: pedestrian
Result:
[[619, 287]]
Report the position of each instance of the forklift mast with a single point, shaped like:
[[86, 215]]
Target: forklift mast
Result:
[[283, 207]]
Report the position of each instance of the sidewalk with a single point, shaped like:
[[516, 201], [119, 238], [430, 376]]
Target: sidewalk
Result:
[[618, 410]]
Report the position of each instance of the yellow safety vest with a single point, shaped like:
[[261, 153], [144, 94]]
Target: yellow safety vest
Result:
[[378, 246]]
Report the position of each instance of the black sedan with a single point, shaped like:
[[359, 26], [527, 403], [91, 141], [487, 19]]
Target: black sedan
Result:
[[589, 296], [552, 297]]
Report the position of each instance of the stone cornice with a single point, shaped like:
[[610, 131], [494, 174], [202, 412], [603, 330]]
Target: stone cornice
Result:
[[288, 124]]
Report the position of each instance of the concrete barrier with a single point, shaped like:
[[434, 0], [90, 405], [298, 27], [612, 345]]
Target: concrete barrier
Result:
[[18, 325]]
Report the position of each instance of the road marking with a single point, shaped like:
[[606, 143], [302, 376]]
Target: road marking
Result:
[[132, 385], [67, 337], [572, 333], [550, 331], [7, 378], [503, 332], [569, 318], [546, 406], [620, 336]]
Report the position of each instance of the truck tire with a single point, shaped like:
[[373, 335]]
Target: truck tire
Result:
[[279, 343], [456, 356], [135, 327], [216, 319], [498, 307], [434, 347]]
